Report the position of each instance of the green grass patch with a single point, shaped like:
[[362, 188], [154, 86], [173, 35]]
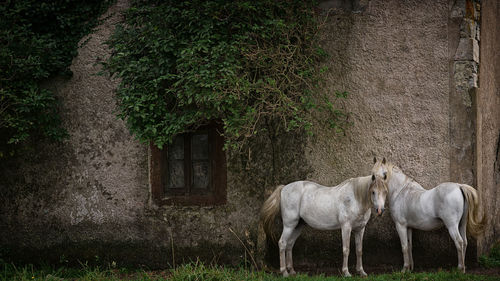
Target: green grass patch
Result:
[[491, 260], [198, 271]]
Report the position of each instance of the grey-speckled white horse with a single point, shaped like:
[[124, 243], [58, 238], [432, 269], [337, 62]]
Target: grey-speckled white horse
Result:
[[346, 206], [453, 205]]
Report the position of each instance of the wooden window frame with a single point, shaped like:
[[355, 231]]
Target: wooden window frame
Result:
[[214, 195]]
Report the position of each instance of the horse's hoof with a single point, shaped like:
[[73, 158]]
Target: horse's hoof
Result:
[[292, 272], [347, 274], [405, 269], [285, 273], [362, 273]]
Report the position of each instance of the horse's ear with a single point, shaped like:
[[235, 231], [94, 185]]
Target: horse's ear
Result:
[[383, 161], [374, 160]]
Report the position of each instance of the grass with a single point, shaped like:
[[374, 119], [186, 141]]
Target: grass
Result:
[[493, 258], [198, 271]]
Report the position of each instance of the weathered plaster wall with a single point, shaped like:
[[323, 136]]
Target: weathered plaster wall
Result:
[[488, 121], [78, 191], [392, 56], [398, 82], [91, 197]]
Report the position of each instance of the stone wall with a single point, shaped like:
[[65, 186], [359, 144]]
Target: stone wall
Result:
[[488, 121], [402, 63], [464, 52]]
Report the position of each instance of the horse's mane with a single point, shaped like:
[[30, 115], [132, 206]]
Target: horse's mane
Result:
[[390, 167], [361, 192], [360, 189]]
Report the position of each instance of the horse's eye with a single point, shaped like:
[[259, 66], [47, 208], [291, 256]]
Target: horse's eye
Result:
[[373, 177], [385, 176], [373, 192]]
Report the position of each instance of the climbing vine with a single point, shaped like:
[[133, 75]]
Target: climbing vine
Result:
[[247, 64], [38, 39]]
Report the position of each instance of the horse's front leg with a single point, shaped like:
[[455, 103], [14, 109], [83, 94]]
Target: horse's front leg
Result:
[[346, 239], [358, 236], [402, 231]]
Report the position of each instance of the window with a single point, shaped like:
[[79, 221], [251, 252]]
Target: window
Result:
[[191, 170]]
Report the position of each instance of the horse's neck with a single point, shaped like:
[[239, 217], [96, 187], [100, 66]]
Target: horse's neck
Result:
[[397, 183], [400, 181]]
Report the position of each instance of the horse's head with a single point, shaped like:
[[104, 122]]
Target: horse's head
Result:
[[378, 186], [381, 169]]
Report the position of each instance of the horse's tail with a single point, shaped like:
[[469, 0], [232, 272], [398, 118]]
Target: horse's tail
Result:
[[475, 222], [269, 211]]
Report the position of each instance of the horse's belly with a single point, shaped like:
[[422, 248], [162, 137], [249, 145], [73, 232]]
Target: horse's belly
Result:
[[335, 219], [427, 224], [322, 224]]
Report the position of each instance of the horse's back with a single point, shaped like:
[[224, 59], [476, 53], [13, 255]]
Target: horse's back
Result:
[[427, 209], [298, 187], [441, 194], [316, 204], [324, 207], [291, 197]]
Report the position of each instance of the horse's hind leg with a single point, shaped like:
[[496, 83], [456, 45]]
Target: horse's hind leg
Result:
[[289, 247], [283, 243], [459, 243], [464, 245], [462, 228], [346, 240], [358, 236], [410, 248]]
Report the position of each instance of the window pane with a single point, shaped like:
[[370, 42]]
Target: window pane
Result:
[[175, 174], [176, 149], [199, 147], [201, 174], [176, 163]]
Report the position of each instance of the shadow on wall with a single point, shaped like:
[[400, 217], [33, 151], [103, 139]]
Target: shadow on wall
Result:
[[321, 251], [275, 158]]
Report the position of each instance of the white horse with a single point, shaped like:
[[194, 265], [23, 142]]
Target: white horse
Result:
[[453, 205], [346, 206]]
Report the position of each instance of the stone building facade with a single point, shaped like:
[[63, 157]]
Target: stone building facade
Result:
[[423, 80]]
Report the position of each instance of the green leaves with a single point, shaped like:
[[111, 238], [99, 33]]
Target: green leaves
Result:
[[243, 63], [38, 39]]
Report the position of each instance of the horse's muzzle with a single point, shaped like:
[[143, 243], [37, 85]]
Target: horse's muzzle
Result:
[[380, 211]]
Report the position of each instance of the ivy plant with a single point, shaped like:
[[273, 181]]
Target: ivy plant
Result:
[[38, 39], [246, 64]]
